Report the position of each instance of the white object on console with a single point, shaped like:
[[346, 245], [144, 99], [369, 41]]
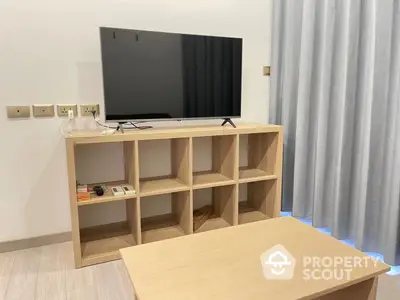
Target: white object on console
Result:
[[129, 190], [117, 191]]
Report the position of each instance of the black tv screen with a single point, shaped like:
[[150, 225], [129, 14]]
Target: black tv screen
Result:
[[156, 75]]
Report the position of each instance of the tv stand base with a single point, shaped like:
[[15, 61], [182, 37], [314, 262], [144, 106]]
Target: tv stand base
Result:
[[120, 127], [228, 120]]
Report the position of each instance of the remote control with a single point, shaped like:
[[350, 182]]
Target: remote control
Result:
[[117, 191], [128, 189]]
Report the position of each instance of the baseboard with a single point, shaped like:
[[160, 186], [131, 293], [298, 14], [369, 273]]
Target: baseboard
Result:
[[35, 242]]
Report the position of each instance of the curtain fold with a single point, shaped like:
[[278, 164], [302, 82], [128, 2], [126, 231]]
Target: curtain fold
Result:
[[336, 89]]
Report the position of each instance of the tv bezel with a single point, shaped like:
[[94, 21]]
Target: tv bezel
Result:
[[108, 120], [130, 117]]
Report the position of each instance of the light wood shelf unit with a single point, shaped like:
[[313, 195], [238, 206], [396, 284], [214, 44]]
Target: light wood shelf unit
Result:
[[262, 152], [159, 228], [223, 170], [108, 196], [262, 175], [180, 177], [259, 203], [170, 225], [223, 202], [159, 186], [102, 243], [206, 179]]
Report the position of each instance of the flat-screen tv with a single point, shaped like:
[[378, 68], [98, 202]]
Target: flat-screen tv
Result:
[[151, 75]]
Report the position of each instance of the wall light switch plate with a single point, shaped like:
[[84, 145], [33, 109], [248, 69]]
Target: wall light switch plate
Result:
[[267, 70], [86, 110], [62, 109], [43, 110], [18, 112]]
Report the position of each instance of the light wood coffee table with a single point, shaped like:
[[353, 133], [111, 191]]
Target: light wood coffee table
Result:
[[228, 264]]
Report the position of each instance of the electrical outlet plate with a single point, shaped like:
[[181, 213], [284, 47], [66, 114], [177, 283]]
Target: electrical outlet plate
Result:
[[18, 112], [43, 110], [86, 109], [62, 109]]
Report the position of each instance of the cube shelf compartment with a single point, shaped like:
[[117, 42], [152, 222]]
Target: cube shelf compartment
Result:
[[249, 156], [258, 201], [102, 243], [222, 171], [222, 202], [260, 159], [179, 177], [169, 225]]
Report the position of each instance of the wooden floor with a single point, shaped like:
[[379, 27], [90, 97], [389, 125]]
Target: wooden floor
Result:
[[48, 273]]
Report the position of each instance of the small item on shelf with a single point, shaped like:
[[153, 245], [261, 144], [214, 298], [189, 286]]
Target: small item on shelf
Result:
[[98, 190], [83, 196], [128, 189], [201, 215], [82, 188], [117, 191]]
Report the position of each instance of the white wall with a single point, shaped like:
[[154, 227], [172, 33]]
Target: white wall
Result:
[[50, 53]]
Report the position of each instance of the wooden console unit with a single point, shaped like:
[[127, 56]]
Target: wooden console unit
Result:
[[262, 177]]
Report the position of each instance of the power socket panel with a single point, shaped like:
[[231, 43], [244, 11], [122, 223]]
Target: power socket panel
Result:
[[43, 110], [62, 110], [18, 112], [86, 110]]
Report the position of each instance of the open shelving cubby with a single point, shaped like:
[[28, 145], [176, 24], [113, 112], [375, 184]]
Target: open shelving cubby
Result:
[[87, 163], [257, 201], [215, 157], [173, 221], [174, 172], [258, 156], [222, 202], [102, 242], [176, 161]]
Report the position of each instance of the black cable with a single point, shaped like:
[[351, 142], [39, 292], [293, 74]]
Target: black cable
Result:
[[133, 124], [105, 126], [140, 127], [98, 123]]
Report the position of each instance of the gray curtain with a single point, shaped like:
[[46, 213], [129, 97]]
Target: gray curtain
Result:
[[336, 89]]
